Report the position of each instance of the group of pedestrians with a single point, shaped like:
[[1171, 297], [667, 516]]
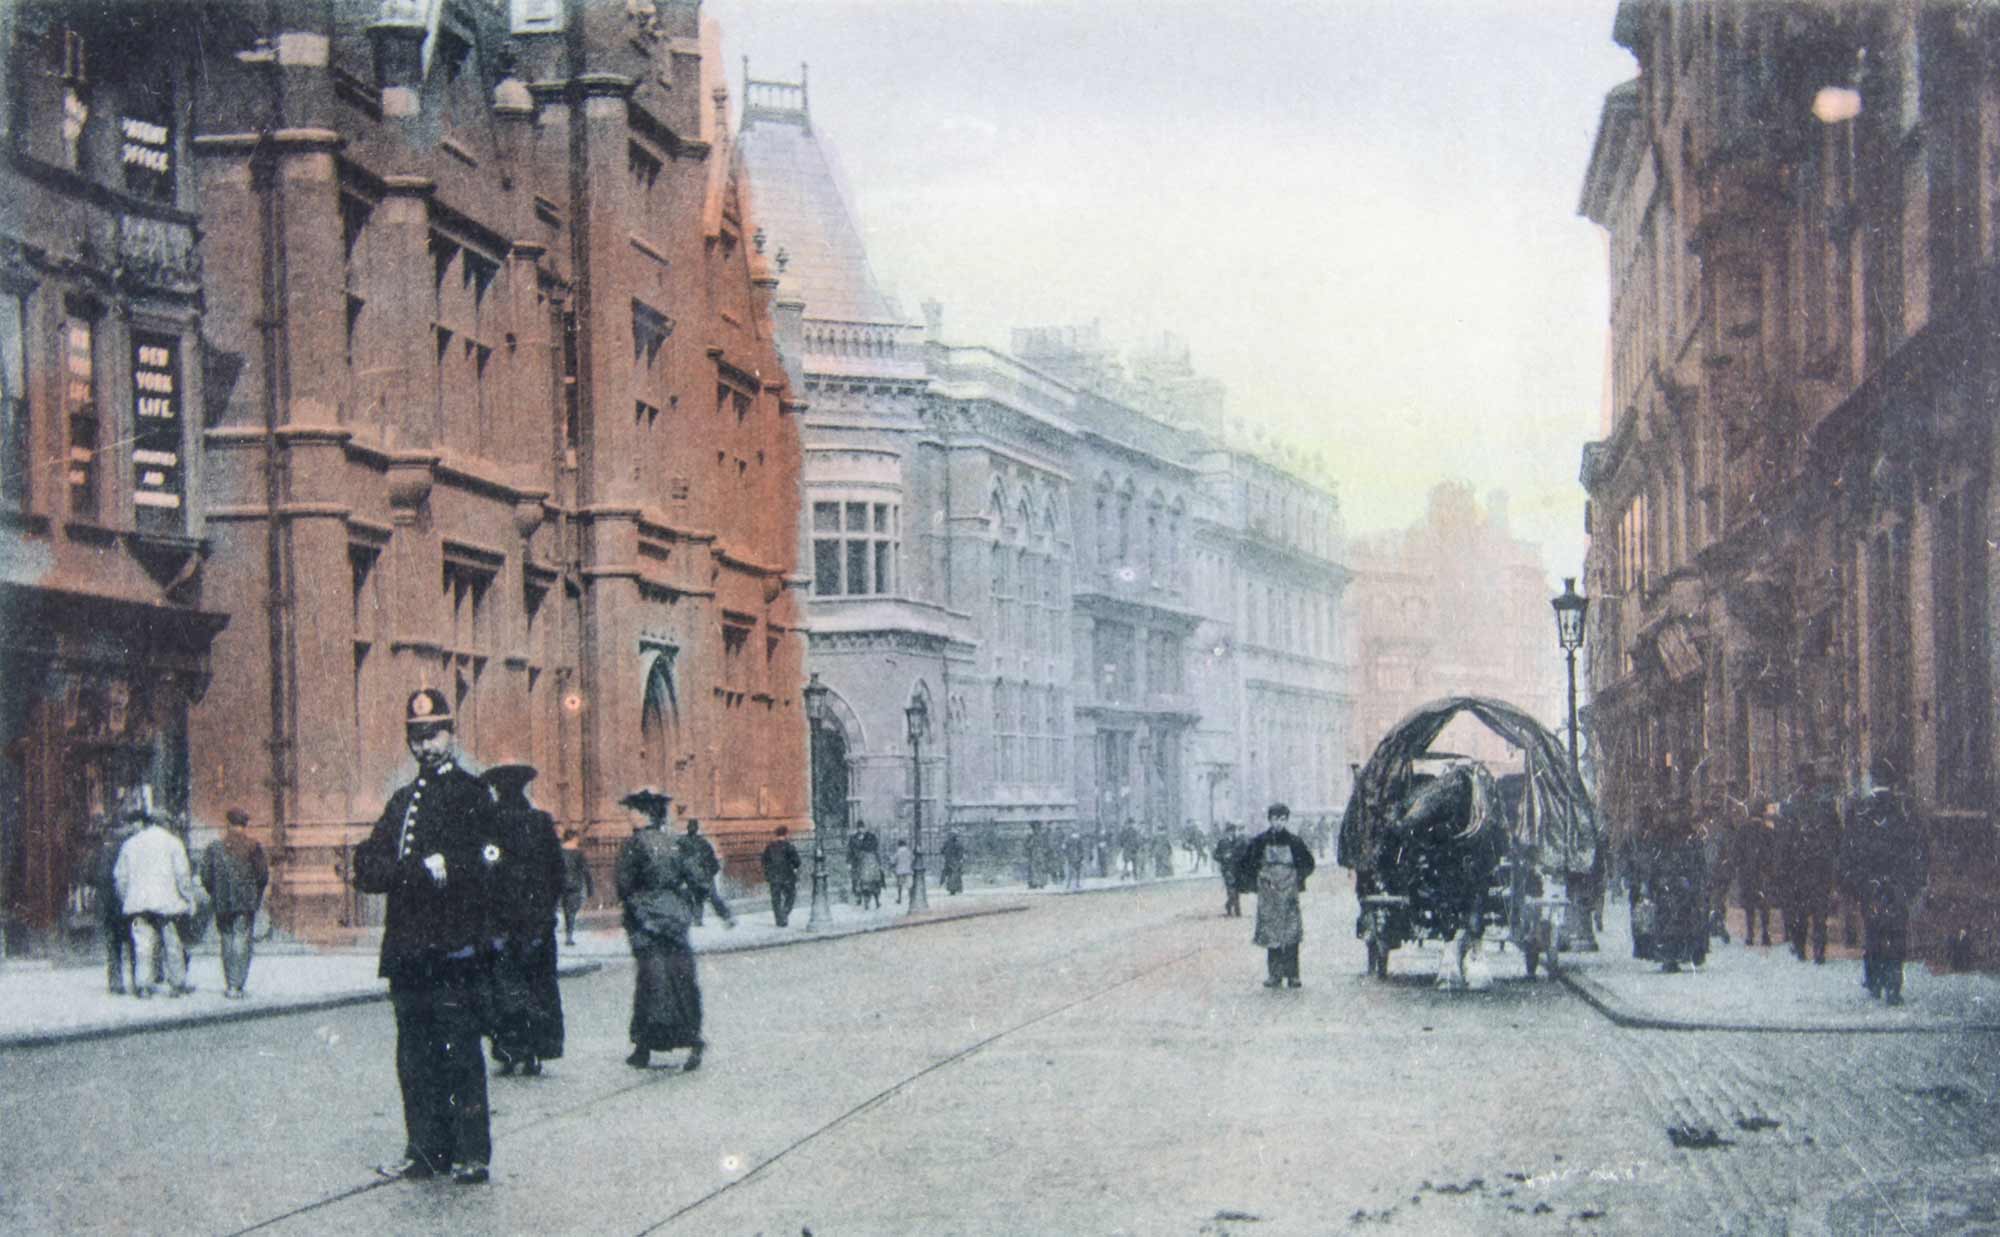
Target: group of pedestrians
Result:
[[154, 904], [474, 877], [1789, 859]]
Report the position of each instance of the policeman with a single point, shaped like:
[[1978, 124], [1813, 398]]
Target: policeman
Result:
[[433, 853]]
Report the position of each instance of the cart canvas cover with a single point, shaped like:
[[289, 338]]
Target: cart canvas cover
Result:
[[1560, 823]]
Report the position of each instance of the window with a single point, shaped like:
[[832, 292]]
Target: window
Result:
[[735, 639], [856, 547], [79, 336], [14, 450], [159, 481], [1006, 770], [1117, 662], [466, 638], [1003, 596], [643, 167]]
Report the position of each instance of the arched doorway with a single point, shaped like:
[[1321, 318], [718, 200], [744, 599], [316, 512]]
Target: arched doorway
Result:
[[660, 735], [829, 779]]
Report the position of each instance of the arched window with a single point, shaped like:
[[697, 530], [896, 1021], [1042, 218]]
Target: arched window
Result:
[[660, 738]]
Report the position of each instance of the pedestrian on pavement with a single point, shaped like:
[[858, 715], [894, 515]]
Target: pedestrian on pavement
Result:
[[112, 924], [1163, 853], [1276, 864], [1128, 851], [1075, 853], [1032, 853], [1809, 857], [1678, 883], [906, 866], [781, 875], [659, 880], [954, 863], [155, 889], [1757, 869], [1884, 860], [527, 883], [577, 883], [433, 851], [702, 854], [1715, 828], [1228, 850], [235, 873], [864, 853]]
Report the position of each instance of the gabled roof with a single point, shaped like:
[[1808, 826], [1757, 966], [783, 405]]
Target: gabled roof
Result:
[[798, 197]]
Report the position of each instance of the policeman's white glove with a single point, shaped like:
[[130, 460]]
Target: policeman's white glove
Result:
[[434, 864]]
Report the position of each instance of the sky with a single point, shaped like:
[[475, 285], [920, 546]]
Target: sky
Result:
[[1359, 214]]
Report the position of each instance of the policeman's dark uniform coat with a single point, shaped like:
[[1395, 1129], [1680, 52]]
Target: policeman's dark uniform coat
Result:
[[437, 946]]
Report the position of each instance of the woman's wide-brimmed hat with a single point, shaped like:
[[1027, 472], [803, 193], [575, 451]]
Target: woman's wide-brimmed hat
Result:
[[509, 778], [646, 799]]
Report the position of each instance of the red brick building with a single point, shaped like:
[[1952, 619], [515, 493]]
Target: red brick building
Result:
[[476, 391]]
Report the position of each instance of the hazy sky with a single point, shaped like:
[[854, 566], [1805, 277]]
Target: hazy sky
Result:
[[1361, 216]]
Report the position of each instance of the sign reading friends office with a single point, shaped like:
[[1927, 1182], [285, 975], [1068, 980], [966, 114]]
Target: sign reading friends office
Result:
[[158, 482]]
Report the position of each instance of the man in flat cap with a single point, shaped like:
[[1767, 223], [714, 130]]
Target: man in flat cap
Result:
[[235, 872], [433, 853]]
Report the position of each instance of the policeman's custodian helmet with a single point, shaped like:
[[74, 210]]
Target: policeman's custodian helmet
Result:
[[428, 708]]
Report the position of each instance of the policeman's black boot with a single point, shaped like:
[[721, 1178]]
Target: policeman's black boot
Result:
[[641, 1058]]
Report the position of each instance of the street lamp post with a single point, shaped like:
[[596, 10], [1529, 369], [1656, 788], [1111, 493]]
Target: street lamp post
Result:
[[1570, 609], [822, 906], [919, 715]]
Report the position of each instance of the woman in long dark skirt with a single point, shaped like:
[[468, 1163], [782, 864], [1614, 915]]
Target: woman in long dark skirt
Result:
[[527, 1016], [660, 885]]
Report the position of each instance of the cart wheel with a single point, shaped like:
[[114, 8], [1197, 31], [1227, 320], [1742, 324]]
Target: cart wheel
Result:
[[1533, 956]]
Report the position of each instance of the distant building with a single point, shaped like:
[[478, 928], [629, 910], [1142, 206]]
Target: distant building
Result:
[[1037, 583], [1792, 525], [467, 383], [1454, 605]]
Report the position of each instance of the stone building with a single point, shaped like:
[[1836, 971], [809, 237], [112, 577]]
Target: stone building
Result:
[[484, 398], [937, 527], [107, 618], [1791, 521], [1013, 539], [1270, 663], [1454, 605]]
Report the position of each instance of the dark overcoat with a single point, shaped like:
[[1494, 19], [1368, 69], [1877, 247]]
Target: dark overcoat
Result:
[[431, 929]]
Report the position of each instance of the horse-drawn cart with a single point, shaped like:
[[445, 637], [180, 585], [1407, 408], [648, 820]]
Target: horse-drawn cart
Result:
[[1444, 850]]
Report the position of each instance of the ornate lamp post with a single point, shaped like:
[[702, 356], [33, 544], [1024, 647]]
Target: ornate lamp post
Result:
[[816, 693], [919, 715], [1570, 609]]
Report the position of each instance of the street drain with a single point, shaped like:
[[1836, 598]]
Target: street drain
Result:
[[1239, 1215], [1755, 1124], [1696, 1138]]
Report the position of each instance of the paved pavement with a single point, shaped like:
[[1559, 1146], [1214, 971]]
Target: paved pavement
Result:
[[1759, 988], [42, 1004]]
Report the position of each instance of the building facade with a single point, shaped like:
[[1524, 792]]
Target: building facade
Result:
[[1454, 605], [1046, 546], [484, 398], [1791, 519]]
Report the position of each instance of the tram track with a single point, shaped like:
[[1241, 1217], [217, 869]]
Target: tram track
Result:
[[612, 1097]]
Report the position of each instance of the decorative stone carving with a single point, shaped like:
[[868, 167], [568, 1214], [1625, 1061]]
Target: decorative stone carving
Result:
[[157, 253]]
